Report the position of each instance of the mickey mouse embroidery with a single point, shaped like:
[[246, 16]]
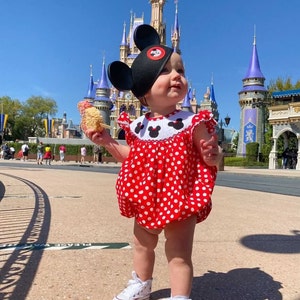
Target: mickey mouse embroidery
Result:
[[178, 124], [154, 131], [139, 127]]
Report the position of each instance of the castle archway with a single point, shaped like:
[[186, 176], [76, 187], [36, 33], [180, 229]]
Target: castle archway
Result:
[[286, 146]]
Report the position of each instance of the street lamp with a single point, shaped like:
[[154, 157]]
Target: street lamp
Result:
[[221, 129]]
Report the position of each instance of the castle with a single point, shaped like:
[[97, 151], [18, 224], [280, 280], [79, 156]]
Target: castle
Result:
[[253, 97]]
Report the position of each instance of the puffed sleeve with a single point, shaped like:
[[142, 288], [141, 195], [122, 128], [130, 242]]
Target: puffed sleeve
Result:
[[208, 119], [124, 123]]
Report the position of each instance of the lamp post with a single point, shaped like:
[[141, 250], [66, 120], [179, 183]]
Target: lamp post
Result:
[[221, 129]]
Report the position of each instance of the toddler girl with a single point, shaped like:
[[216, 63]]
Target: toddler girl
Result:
[[169, 166]]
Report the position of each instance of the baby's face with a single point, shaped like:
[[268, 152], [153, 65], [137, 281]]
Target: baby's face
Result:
[[171, 85]]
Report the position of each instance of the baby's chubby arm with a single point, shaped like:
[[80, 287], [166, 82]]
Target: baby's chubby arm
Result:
[[118, 151], [207, 145]]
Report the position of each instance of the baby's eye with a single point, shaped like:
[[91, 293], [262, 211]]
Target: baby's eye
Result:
[[180, 71], [164, 70]]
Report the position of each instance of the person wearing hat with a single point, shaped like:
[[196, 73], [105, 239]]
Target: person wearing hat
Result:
[[168, 168]]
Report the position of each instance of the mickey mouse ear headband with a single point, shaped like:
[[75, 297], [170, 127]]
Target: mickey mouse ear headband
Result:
[[146, 67]]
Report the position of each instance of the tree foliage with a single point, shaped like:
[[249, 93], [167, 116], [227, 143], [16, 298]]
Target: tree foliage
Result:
[[281, 84], [26, 119]]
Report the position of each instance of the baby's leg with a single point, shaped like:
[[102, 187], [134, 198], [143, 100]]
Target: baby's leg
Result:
[[178, 247], [145, 242]]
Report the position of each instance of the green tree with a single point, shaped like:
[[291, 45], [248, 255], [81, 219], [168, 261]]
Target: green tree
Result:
[[281, 84], [34, 111], [27, 119], [12, 108]]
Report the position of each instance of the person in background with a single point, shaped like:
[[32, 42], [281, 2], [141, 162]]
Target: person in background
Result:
[[12, 151], [285, 158], [40, 153], [1, 152], [48, 155], [25, 151], [100, 155], [96, 151], [62, 151], [83, 154]]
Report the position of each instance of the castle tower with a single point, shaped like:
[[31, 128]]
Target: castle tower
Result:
[[124, 46], [186, 103], [209, 102], [175, 35], [157, 11], [102, 98], [213, 102], [251, 98], [90, 92]]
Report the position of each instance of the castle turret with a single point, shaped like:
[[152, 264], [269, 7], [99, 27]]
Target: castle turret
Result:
[[157, 12], [90, 92], [186, 103], [250, 99], [102, 99], [209, 102], [175, 35], [124, 46]]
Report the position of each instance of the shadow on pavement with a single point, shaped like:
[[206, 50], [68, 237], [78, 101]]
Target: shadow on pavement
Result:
[[2, 190], [273, 243], [237, 284], [19, 269]]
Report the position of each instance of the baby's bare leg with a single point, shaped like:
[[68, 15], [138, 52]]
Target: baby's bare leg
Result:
[[145, 242], [178, 247]]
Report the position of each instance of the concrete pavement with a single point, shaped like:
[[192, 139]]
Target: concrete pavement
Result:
[[248, 248]]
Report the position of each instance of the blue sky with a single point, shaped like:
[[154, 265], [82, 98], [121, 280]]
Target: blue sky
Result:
[[48, 45]]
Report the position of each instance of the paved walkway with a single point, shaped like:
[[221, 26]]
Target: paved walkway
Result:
[[248, 248]]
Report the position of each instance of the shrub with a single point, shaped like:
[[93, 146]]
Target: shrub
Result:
[[252, 151], [242, 162]]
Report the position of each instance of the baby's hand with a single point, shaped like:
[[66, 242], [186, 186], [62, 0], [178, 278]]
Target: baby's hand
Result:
[[100, 138], [211, 152]]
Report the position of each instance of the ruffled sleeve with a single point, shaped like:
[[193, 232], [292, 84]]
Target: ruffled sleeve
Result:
[[124, 123], [208, 119]]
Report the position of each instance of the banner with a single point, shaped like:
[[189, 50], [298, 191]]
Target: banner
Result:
[[49, 123], [3, 121]]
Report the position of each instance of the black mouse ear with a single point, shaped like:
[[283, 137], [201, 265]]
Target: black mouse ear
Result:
[[144, 36], [120, 75]]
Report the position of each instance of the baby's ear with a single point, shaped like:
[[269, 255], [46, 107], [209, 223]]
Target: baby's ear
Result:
[[144, 36], [120, 75]]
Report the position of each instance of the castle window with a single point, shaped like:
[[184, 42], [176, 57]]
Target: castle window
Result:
[[131, 110], [122, 108]]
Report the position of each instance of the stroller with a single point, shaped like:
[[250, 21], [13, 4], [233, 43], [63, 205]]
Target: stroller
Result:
[[7, 154]]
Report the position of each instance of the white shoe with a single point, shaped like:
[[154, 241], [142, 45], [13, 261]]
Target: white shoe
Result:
[[136, 289]]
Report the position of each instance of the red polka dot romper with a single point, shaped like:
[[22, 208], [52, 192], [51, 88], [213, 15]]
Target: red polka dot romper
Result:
[[164, 178]]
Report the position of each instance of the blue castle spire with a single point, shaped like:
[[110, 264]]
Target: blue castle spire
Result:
[[212, 97], [123, 42], [254, 78], [103, 82], [90, 91], [254, 66]]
